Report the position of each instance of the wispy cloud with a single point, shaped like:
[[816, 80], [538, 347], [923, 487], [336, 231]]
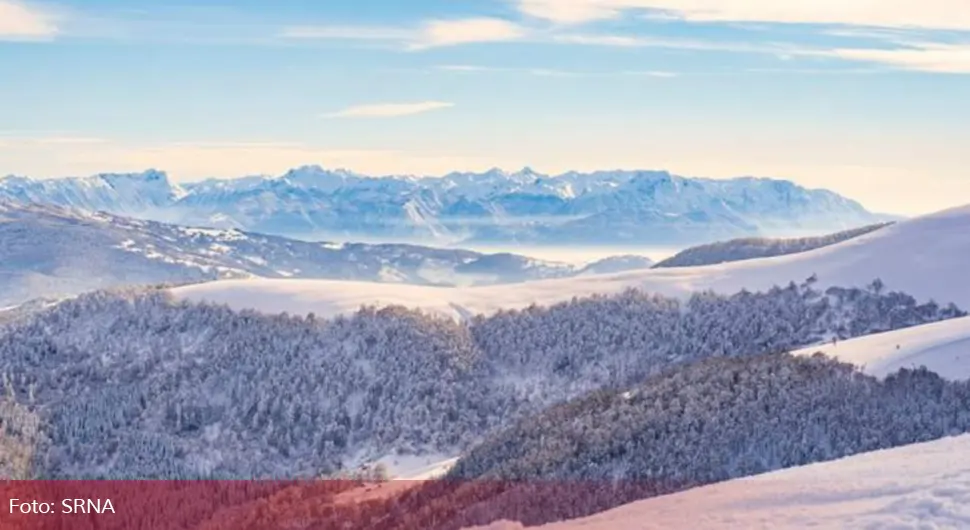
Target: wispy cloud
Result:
[[834, 69], [20, 21], [569, 11], [389, 110], [877, 34], [940, 29], [894, 23], [929, 57], [538, 72], [630, 41], [431, 34], [552, 72], [467, 68], [386, 33], [466, 31], [938, 14], [818, 71], [652, 73], [622, 41]]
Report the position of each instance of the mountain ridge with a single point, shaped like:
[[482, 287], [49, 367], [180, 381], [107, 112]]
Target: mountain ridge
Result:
[[924, 256], [755, 248], [622, 206], [52, 251]]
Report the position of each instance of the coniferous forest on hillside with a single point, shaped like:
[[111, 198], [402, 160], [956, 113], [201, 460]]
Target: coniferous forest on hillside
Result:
[[135, 385]]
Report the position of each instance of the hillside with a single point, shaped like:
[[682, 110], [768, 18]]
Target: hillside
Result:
[[616, 264], [943, 347], [713, 421], [925, 257], [754, 248], [917, 486], [632, 208], [135, 385], [723, 418], [50, 251]]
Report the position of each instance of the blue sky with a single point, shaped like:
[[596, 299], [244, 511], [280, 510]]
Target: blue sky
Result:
[[868, 101]]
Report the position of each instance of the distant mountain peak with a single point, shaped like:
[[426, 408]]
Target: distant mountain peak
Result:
[[494, 172], [149, 176], [629, 207], [153, 175]]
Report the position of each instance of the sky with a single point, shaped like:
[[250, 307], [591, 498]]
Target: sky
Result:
[[869, 99]]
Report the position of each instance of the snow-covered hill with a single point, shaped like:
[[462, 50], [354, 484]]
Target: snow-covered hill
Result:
[[754, 248], [943, 347], [918, 486], [610, 207], [925, 257], [616, 264], [50, 251], [135, 385]]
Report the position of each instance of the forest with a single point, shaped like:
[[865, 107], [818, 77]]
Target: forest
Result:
[[132, 384]]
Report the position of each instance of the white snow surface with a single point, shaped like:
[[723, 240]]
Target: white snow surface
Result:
[[942, 347], [409, 467], [925, 257], [922, 486]]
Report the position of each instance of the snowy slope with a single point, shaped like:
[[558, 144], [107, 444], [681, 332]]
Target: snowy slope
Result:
[[125, 193], [943, 347], [923, 486], [53, 251], [615, 264], [424, 467], [322, 297], [925, 257]]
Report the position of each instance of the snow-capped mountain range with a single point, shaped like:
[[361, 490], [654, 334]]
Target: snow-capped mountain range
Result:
[[51, 251], [601, 208]]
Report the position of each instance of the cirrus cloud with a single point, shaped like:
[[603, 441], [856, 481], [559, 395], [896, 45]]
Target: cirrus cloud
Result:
[[467, 31], [929, 57], [938, 14], [431, 34], [19, 21], [389, 110]]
